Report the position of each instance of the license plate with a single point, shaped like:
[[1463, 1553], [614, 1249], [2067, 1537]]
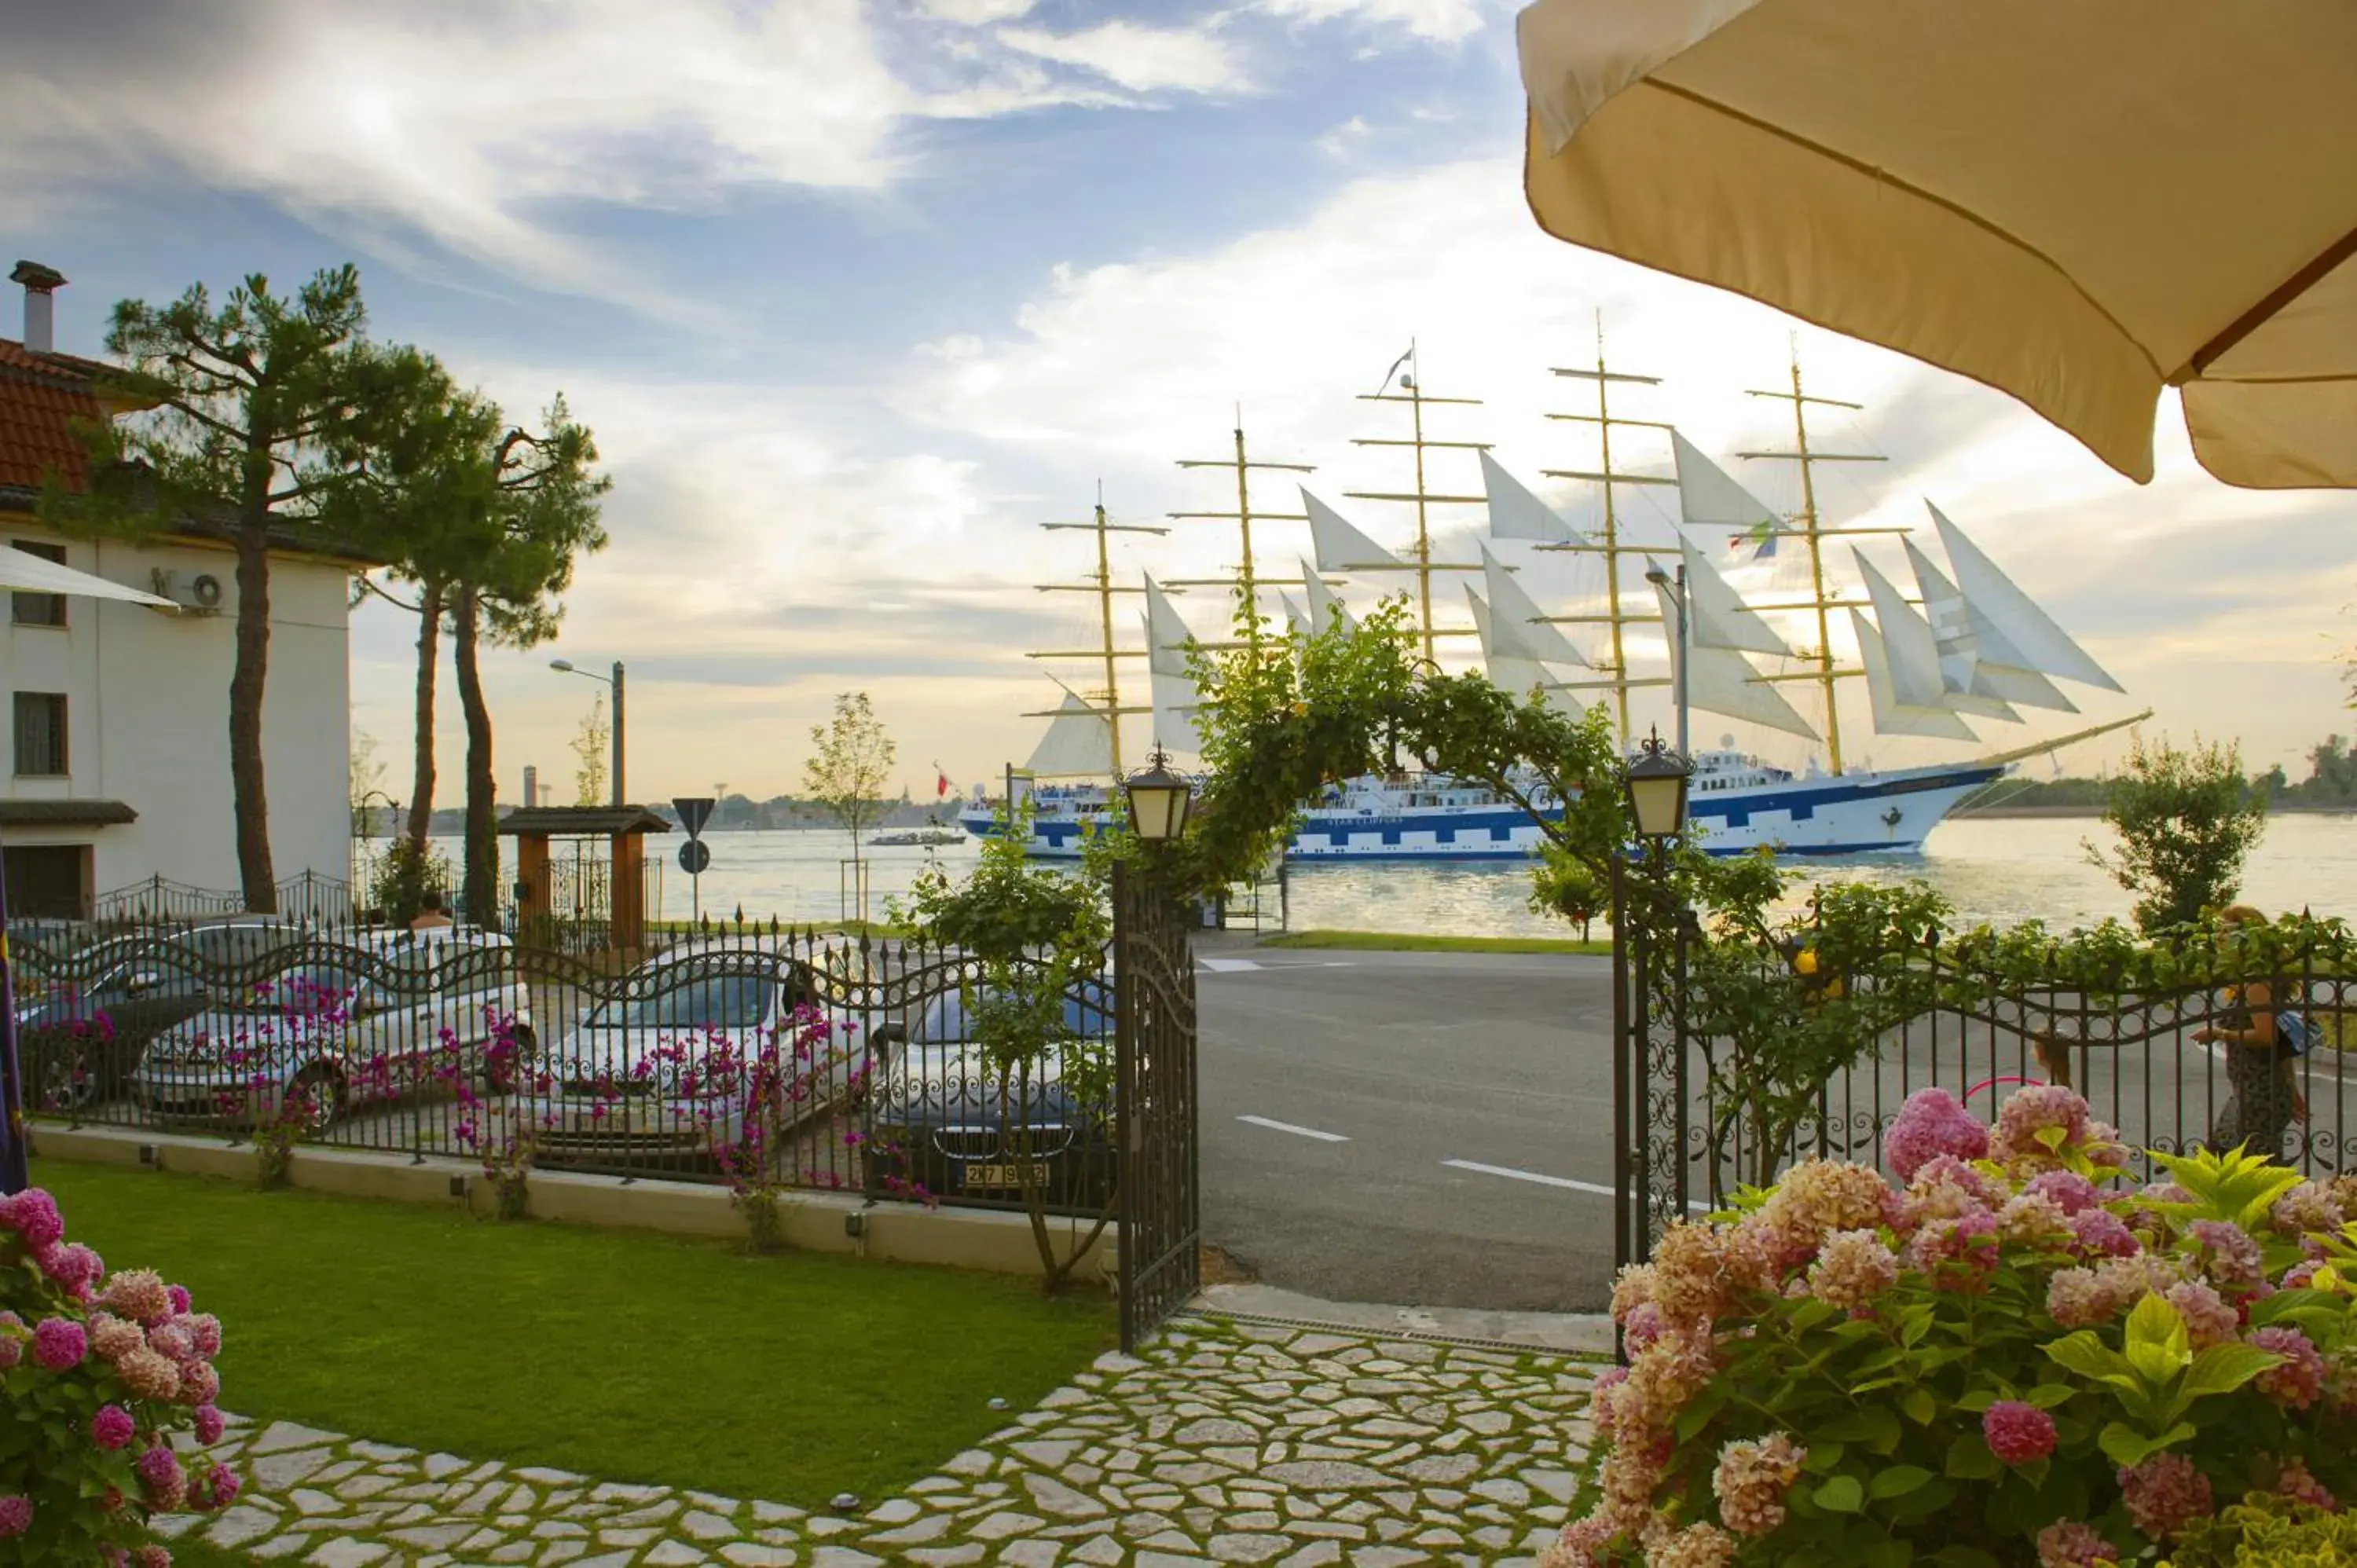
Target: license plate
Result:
[[1003, 1175]]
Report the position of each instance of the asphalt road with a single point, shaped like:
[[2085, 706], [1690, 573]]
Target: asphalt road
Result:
[[1387, 1075]]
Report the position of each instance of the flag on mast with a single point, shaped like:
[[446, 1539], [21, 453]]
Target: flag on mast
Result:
[[941, 782]]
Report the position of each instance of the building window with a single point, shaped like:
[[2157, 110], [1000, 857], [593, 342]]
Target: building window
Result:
[[39, 609], [40, 733]]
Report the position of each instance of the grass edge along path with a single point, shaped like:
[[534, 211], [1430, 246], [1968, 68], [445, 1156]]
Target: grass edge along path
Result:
[[624, 1354], [1410, 942]]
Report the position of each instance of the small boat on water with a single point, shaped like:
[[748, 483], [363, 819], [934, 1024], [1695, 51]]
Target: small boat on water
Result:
[[932, 833]]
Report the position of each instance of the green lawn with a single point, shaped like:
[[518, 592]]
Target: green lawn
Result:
[[1406, 942], [626, 1355]]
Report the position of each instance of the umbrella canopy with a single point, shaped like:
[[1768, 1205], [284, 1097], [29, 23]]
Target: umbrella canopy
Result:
[[2078, 204], [29, 574]]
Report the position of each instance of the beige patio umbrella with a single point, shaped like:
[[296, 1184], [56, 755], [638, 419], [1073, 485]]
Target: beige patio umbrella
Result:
[[2076, 201], [25, 573]]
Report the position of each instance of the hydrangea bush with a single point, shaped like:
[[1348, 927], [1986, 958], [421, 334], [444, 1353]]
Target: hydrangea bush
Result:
[[2011, 1357], [101, 1373]]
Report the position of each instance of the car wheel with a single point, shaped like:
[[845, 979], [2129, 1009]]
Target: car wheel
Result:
[[321, 1090]]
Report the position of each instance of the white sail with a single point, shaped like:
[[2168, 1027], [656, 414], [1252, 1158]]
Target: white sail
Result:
[[1325, 604], [2012, 630], [1296, 617], [1175, 696], [1078, 743], [1722, 681], [1971, 681], [1892, 716], [1708, 495], [1911, 656], [1340, 546], [1518, 676], [1515, 512], [1717, 616], [1515, 627]]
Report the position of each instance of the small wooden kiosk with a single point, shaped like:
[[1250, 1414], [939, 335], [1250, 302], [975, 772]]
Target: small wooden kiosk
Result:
[[624, 828]]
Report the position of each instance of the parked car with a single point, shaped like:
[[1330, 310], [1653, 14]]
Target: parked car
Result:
[[371, 1016], [675, 1071], [942, 1118], [83, 1032]]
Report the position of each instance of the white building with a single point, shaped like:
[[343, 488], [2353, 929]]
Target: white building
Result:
[[114, 758]]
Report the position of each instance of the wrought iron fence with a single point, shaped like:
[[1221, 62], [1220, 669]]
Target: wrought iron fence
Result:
[[1981, 1035], [785, 1057]]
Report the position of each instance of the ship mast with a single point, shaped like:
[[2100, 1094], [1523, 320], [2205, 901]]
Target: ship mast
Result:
[[1100, 583], [1424, 566], [1607, 476], [1813, 531], [1247, 581]]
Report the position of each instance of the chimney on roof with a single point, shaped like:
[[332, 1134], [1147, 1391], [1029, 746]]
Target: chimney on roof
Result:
[[40, 321]]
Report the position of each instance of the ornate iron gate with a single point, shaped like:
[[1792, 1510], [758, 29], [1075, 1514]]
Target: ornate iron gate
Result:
[[1652, 1086], [1161, 1214]]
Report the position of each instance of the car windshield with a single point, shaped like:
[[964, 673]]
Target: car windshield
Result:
[[307, 988], [1088, 1013], [714, 1002]]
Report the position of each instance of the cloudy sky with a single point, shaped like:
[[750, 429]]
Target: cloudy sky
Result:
[[855, 295]]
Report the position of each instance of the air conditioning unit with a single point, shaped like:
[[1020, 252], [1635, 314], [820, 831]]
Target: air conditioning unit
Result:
[[196, 592]]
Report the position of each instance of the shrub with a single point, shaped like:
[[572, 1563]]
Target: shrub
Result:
[[2186, 819], [2010, 1361], [101, 1372], [2267, 1530]]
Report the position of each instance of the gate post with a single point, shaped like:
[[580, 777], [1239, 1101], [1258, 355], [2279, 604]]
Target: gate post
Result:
[[1153, 1103]]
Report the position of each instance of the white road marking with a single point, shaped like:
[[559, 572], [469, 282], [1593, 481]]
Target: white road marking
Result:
[[1230, 965], [1298, 1131], [1513, 1175], [1253, 965]]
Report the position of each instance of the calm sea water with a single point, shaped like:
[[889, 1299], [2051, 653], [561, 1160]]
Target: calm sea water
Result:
[[2000, 870]]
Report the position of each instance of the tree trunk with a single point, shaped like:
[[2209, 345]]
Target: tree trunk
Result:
[[256, 877], [429, 647], [480, 886]]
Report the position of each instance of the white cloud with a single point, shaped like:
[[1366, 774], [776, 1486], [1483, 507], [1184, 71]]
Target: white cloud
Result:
[[1139, 58], [1439, 21], [1344, 138], [978, 13]]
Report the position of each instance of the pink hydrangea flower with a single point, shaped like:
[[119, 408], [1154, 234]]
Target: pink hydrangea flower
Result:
[[33, 1214], [2165, 1494], [2300, 1275], [221, 1486], [1699, 1545], [1599, 1403], [204, 1333], [1932, 1123], [2298, 1380], [1580, 1544], [2017, 1432], [114, 1339], [112, 1427], [15, 1516], [1944, 1188], [211, 1423], [2294, 1482], [2071, 1193], [73, 1266], [2100, 1233], [11, 1340], [151, 1556], [2208, 1319], [200, 1385], [2307, 1207], [170, 1340], [2073, 1545], [1852, 1269], [2032, 1220], [161, 1478], [1817, 1197], [1751, 1481], [2226, 1253], [2040, 1108], [138, 1295], [1958, 1254], [179, 1298], [59, 1344]]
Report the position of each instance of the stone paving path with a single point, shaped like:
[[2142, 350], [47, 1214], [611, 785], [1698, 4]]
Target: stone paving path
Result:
[[1227, 1442]]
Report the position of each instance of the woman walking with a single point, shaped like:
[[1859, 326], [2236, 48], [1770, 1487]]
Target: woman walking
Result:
[[2263, 1096]]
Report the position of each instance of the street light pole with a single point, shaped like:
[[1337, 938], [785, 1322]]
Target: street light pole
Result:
[[621, 798]]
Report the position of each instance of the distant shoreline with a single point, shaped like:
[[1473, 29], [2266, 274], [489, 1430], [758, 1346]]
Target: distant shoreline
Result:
[[2293, 810]]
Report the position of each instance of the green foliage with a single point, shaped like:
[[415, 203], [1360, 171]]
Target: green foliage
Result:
[[1039, 936], [402, 876], [2187, 819], [1564, 884], [2265, 1530], [849, 768], [1796, 1001]]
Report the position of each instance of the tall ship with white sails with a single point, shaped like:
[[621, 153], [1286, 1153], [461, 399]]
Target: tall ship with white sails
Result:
[[1966, 645]]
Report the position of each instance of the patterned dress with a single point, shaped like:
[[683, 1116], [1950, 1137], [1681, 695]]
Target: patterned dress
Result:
[[2258, 1110]]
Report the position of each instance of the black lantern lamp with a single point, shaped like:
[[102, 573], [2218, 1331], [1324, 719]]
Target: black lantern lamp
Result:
[[1656, 783], [1159, 800]]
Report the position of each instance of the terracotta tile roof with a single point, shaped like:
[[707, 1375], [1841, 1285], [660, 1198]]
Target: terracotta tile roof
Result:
[[40, 397]]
